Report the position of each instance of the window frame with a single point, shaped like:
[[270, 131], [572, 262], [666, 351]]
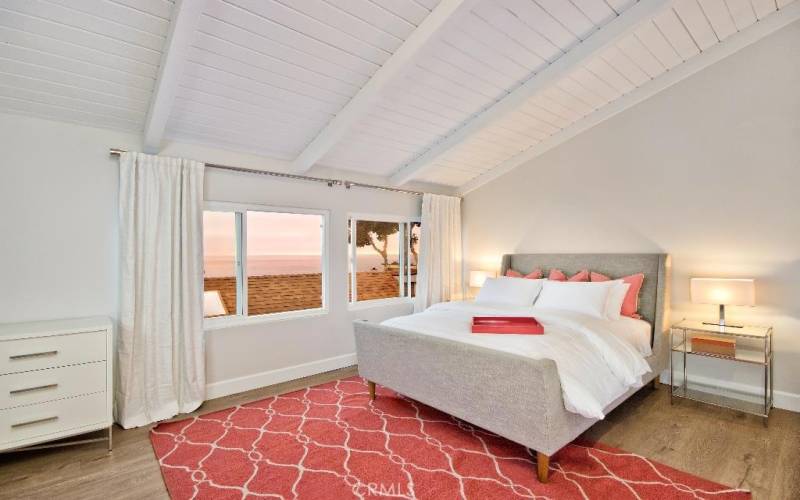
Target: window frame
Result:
[[404, 236], [242, 317]]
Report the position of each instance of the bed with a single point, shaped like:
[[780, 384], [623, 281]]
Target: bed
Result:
[[503, 390]]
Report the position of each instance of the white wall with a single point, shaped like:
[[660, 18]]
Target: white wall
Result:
[[58, 220], [58, 245], [708, 171]]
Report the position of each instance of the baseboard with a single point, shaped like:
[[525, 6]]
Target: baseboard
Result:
[[263, 379], [783, 400]]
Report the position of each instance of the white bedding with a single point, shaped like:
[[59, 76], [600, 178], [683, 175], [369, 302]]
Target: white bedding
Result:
[[637, 332], [596, 362]]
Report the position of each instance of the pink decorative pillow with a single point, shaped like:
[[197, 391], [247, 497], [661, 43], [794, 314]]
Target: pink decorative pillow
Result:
[[558, 275], [536, 274], [630, 306], [580, 276], [533, 275]]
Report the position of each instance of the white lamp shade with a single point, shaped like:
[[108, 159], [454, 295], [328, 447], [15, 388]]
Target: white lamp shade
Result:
[[734, 292], [212, 304], [477, 278]]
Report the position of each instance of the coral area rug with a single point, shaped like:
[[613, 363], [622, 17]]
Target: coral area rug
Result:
[[330, 442]]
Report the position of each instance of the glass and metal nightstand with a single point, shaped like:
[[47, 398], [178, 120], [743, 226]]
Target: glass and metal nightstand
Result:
[[753, 346]]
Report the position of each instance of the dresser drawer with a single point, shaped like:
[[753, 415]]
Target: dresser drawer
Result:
[[48, 352], [18, 389], [43, 420]]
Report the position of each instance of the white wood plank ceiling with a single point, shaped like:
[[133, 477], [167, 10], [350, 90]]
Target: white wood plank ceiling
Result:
[[268, 75], [445, 92], [676, 34], [83, 61]]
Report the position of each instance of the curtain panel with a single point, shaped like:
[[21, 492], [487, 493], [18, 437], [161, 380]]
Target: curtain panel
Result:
[[160, 348], [439, 278]]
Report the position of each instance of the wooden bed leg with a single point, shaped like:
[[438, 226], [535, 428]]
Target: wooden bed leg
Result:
[[542, 466], [655, 383], [371, 386]]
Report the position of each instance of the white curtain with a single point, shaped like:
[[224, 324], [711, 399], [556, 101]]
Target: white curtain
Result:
[[160, 351], [440, 263]]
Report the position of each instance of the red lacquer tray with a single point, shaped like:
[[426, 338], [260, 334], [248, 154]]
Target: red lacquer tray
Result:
[[506, 324]]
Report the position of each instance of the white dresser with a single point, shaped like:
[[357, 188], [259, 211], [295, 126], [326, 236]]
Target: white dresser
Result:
[[55, 380]]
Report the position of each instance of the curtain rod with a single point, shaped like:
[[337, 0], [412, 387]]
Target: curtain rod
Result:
[[330, 182]]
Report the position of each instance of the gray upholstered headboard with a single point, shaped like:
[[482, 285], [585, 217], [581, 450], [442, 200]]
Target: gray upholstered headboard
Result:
[[653, 296]]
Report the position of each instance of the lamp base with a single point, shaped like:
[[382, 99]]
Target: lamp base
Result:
[[721, 321], [726, 325]]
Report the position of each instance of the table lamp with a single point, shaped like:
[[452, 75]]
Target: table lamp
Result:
[[721, 291], [476, 278]]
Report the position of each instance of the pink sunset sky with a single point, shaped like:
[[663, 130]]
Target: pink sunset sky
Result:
[[269, 233]]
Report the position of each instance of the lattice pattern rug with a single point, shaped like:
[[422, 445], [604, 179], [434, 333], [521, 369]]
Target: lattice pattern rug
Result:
[[330, 442]]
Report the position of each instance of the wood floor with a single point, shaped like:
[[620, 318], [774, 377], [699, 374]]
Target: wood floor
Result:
[[717, 444]]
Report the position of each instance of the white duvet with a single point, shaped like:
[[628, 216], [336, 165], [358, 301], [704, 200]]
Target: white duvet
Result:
[[596, 364]]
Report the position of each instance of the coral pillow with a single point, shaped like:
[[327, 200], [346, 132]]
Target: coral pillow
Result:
[[558, 275], [580, 276], [536, 274], [630, 305]]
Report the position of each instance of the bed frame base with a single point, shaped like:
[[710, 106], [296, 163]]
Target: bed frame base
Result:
[[542, 460], [542, 466]]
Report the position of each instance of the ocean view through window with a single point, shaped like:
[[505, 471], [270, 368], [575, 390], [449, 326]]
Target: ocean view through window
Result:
[[383, 258], [260, 261], [284, 262]]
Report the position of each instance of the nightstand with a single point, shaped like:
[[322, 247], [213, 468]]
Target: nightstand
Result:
[[753, 345]]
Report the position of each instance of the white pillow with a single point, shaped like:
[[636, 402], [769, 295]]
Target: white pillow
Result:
[[509, 291], [587, 298], [616, 296]]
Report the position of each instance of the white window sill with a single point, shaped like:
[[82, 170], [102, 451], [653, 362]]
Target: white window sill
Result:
[[233, 321], [369, 304]]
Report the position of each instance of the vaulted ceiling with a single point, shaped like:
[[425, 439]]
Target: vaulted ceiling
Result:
[[453, 92]]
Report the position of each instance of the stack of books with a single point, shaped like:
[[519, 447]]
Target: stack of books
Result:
[[719, 346]]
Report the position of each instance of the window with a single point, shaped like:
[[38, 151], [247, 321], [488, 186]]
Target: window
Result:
[[284, 262], [414, 235], [219, 263], [261, 261], [383, 258]]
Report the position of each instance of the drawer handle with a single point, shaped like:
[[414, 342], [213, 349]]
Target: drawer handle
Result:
[[37, 421], [30, 389], [33, 355]]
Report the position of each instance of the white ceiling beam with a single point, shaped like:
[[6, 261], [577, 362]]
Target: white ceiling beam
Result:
[[619, 27], [362, 102], [182, 29], [713, 54]]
